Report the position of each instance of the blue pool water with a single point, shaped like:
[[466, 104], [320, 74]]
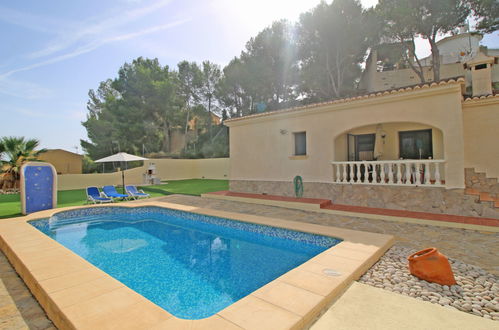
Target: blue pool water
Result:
[[189, 264]]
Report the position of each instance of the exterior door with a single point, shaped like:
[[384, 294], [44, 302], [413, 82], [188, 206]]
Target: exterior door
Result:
[[360, 147]]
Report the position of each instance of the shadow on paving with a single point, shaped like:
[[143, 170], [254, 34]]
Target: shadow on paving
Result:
[[18, 308]]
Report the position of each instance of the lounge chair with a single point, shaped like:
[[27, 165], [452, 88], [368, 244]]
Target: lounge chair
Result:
[[95, 196], [134, 193], [110, 192]]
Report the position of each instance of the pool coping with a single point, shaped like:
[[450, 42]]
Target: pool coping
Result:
[[77, 295]]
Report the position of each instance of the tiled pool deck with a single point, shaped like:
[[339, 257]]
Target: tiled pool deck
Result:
[[18, 308], [76, 294]]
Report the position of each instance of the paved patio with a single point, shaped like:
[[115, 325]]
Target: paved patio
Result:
[[359, 309], [18, 308]]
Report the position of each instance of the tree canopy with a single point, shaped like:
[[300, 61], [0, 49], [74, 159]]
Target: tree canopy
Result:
[[404, 20], [332, 45], [148, 106], [14, 152]]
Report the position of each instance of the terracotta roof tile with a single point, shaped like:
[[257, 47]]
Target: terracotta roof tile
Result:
[[450, 81]]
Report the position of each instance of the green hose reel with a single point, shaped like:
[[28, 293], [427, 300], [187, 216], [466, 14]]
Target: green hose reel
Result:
[[298, 183]]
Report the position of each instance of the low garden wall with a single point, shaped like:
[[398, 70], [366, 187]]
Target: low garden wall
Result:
[[166, 169], [431, 200]]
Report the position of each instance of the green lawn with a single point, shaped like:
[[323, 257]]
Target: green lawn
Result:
[[10, 206]]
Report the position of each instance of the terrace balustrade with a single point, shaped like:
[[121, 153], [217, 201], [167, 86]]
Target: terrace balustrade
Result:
[[407, 172]]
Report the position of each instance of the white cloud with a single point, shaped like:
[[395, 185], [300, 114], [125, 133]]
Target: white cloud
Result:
[[31, 21], [23, 89], [94, 45], [73, 114], [151, 48], [79, 115], [95, 27]]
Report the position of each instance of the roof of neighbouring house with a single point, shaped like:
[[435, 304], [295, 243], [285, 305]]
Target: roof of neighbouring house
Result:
[[449, 81], [460, 36], [479, 59], [69, 152]]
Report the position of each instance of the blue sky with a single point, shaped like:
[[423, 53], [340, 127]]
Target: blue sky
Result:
[[54, 51]]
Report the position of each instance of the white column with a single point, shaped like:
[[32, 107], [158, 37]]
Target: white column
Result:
[[427, 173], [399, 173], [358, 173], [438, 182], [407, 173], [344, 178], [390, 173], [418, 176], [338, 176], [351, 174]]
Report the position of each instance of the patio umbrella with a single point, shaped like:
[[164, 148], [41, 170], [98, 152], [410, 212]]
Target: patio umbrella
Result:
[[122, 157]]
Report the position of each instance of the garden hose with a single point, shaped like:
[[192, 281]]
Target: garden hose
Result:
[[298, 182]]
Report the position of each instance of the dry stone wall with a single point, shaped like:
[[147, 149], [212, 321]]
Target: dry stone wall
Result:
[[479, 181], [432, 200]]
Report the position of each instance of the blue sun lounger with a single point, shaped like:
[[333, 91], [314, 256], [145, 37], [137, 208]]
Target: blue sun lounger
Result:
[[110, 192], [95, 196], [134, 193]]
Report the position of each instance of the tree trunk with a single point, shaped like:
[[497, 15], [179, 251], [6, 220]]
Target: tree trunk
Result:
[[186, 129], [167, 132], [435, 58], [237, 105], [419, 69], [209, 115], [332, 81]]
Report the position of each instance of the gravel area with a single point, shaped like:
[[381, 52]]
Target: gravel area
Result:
[[476, 292]]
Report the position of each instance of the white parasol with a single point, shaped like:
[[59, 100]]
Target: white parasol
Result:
[[120, 157]]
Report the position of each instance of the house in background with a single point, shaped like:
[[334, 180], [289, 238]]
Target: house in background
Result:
[[387, 68], [65, 162], [427, 147], [194, 129]]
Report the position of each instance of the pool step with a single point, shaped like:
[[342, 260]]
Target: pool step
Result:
[[272, 200]]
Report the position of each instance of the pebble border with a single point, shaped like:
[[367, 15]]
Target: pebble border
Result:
[[476, 292]]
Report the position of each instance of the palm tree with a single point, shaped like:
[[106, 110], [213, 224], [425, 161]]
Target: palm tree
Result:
[[15, 151]]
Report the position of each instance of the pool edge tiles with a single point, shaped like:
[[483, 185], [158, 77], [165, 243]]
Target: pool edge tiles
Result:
[[167, 258], [75, 216], [291, 301]]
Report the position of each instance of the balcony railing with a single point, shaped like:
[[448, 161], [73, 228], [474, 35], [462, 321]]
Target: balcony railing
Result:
[[407, 172]]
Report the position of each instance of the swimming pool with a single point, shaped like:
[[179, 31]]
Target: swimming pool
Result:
[[191, 265]]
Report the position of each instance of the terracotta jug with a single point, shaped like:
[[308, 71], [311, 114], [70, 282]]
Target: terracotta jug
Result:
[[432, 266]]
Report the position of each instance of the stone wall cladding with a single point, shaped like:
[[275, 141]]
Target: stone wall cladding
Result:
[[479, 181], [431, 200]]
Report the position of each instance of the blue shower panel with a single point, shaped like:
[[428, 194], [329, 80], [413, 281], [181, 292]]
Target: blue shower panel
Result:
[[39, 183]]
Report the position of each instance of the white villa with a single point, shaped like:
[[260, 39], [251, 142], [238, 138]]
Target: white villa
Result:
[[430, 147]]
